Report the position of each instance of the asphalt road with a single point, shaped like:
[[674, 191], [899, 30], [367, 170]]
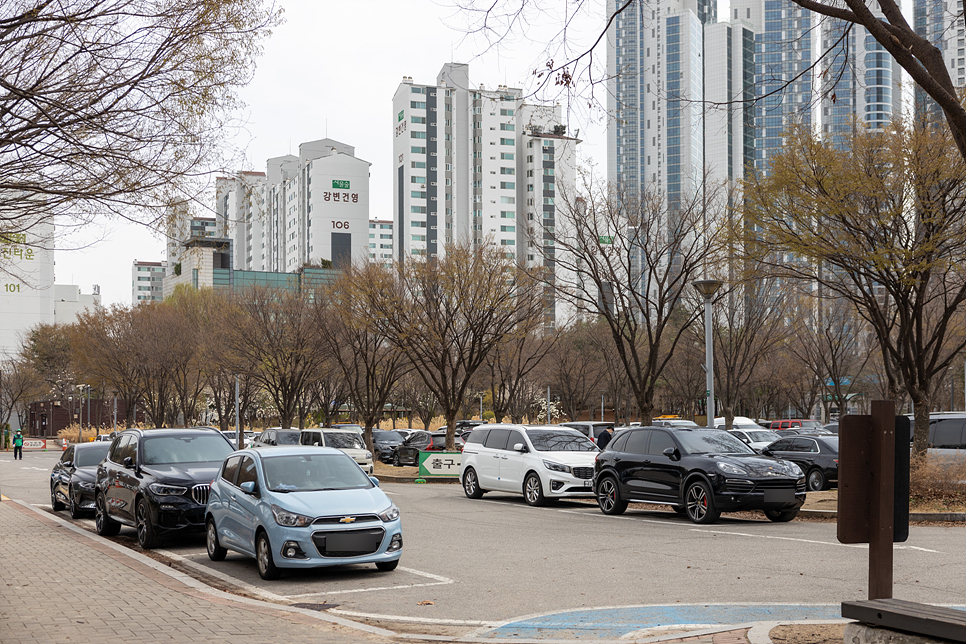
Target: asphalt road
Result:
[[495, 560]]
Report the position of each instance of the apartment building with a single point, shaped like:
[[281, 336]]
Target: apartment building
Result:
[[147, 281], [380, 240]]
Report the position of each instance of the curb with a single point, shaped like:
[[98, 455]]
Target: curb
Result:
[[412, 479], [917, 517]]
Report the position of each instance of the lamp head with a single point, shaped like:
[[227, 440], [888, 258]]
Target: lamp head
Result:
[[707, 288]]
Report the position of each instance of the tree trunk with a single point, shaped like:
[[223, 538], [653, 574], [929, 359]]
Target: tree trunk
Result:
[[920, 432]]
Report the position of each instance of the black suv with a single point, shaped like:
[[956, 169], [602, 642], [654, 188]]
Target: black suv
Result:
[[157, 480], [701, 472]]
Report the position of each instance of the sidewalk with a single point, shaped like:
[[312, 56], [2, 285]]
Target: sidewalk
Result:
[[85, 590]]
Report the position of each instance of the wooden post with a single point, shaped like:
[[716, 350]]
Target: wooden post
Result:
[[882, 499]]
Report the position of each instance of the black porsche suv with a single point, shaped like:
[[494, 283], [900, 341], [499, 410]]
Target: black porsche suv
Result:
[[698, 472], [157, 480]]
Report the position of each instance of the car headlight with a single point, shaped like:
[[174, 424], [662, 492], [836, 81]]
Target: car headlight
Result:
[[793, 468], [390, 514], [368, 456], [728, 468], [86, 485], [167, 490], [556, 467], [290, 519]]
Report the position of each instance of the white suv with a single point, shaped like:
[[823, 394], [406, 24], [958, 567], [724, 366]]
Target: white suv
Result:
[[540, 462]]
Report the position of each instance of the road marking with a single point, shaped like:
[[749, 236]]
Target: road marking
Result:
[[611, 517], [822, 543], [437, 581]]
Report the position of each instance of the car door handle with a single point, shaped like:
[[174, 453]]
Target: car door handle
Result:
[[646, 462], [496, 456]]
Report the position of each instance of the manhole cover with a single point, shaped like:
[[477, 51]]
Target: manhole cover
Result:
[[316, 606]]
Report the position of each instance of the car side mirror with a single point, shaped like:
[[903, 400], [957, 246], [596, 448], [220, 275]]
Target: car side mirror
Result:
[[519, 447], [672, 453], [68, 463], [248, 487], [128, 463], [374, 480]]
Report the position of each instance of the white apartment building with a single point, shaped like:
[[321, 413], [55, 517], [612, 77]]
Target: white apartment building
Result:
[[147, 281], [380, 240], [304, 208]]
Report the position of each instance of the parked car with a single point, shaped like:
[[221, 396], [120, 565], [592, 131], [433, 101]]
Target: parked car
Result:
[[541, 462], [672, 422], [698, 472], [740, 421], [354, 427], [107, 438], [794, 423], [300, 507], [589, 428], [275, 436], [351, 444], [421, 441], [248, 438], [157, 480], [72, 478], [756, 439], [832, 428], [384, 442], [817, 456]]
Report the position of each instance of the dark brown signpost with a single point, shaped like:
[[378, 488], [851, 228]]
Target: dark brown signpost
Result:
[[873, 508], [873, 502]]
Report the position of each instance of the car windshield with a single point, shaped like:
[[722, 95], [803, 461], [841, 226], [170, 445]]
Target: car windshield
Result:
[[388, 436], [287, 438], [174, 450], [344, 440], [712, 442], [313, 472], [550, 441], [762, 436], [91, 455]]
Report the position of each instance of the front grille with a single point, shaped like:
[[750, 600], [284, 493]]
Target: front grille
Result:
[[200, 494], [348, 543], [359, 518], [583, 472], [773, 484]]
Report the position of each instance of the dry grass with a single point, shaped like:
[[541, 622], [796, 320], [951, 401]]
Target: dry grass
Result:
[[71, 433], [937, 484]]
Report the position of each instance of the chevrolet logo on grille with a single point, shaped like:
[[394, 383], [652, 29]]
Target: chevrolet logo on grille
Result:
[[347, 520]]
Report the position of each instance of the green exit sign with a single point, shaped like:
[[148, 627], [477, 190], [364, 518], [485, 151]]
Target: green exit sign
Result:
[[340, 184], [400, 117], [605, 239]]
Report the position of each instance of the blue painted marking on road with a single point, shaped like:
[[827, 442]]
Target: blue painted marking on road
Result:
[[611, 623]]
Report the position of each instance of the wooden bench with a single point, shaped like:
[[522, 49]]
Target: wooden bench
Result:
[[911, 617]]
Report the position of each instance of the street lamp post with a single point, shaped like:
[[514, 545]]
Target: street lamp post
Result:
[[708, 288]]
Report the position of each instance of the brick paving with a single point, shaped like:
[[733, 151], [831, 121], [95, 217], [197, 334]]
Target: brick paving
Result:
[[57, 586]]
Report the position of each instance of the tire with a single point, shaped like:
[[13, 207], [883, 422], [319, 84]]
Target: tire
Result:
[[147, 534], [609, 497], [55, 503], [533, 491], [215, 551], [699, 504], [263, 557], [471, 484], [395, 461], [387, 566], [815, 480], [781, 516], [103, 524], [75, 510]]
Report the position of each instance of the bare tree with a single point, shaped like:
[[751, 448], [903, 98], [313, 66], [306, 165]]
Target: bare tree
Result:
[[117, 106], [103, 341], [369, 363], [631, 260], [20, 384], [276, 332], [574, 369], [509, 367], [418, 398], [448, 313], [882, 224]]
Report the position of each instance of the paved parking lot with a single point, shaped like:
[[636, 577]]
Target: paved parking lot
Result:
[[497, 567]]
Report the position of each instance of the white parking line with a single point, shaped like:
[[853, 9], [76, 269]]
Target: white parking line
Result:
[[612, 517], [822, 543], [255, 590]]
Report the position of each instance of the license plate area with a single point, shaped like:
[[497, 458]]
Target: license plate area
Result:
[[348, 543], [780, 496]]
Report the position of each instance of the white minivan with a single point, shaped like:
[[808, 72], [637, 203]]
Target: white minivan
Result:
[[540, 462]]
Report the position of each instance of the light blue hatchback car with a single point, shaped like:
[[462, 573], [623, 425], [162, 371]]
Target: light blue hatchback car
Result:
[[300, 507]]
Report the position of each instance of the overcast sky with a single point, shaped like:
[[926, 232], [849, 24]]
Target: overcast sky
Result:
[[331, 70]]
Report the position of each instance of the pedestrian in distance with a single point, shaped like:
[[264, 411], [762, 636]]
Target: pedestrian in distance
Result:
[[605, 437], [18, 445]]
